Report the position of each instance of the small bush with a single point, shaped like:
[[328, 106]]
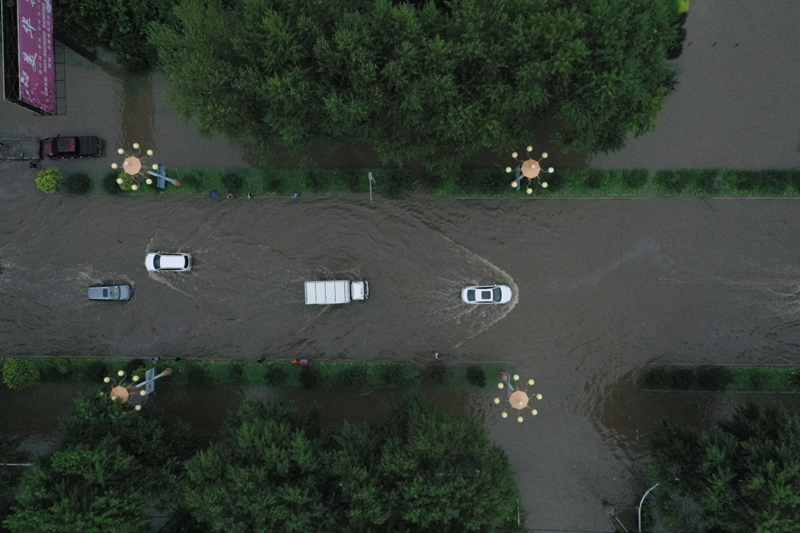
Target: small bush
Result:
[[62, 365], [109, 183], [391, 375], [706, 180], [757, 379], [127, 181], [48, 180], [654, 378], [78, 183], [308, 377], [746, 180], [593, 180], [715, 378], [477, 180], [197, 374], [635, 179], [672, 180], [352, 376], [193, 182], [20, 373], [396, 182], [91, 370], [775, 181], [353, 178], [680, 378], [317, 180], [275, 375], [275, 183], [233, 183], [476, 377], [436, 373]]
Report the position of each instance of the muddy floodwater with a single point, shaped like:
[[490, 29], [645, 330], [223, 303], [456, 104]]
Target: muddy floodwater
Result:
[[601, 287]]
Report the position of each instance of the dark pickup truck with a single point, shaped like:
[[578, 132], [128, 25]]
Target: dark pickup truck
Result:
[[63, 147]]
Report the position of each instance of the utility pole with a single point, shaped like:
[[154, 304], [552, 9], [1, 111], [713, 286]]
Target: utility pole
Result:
[[371, 180]]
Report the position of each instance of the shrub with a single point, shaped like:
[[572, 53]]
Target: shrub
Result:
[[352, 178], [62, 365], [715, 378], [475, 376], [352, 376], [396, 182], [436, 373], [774, 181], [48, 180], [92, 370], [672, 180], [654, 378], [746, 180], [680, 378], [233, 183], [757, 378], [635, 179], [20, 373], [592, 180], [78, 183], [193, 182], [391, 375], [317, 180], [308, 377], [475, 180], [197, 374], [275, 375], [275, 184], [109, 183], [706, 180]]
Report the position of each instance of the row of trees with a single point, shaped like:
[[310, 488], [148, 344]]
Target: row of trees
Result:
[[432, 81], [741, 477], [421, 469]]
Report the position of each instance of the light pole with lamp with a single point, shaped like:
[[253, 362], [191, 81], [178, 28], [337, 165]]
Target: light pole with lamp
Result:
[[529, 169], [123, 393], [517, 398], [642, 502]]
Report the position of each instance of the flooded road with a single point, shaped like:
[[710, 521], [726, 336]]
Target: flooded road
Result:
[[601, 287]]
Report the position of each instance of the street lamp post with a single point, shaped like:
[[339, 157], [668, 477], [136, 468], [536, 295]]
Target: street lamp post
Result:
[[641, 502], [529, 169], [518, 398], [133, 166], [127, 394]]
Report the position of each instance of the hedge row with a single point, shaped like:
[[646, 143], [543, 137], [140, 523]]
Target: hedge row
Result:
[[321, 374], [487, 181], [721, 378]]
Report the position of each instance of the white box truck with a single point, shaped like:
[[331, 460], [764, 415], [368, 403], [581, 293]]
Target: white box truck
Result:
[[335, 292]]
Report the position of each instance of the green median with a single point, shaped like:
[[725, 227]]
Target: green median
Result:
[[720, 378], [21, 372]]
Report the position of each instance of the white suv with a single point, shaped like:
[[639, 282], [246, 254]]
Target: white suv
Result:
[[158, 261]]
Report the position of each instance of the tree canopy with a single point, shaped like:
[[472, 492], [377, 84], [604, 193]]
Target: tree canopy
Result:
[[419, 81], [420, 470], [107, 467], [741, 477]]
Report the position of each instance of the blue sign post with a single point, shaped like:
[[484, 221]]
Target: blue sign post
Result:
[[161, 177]]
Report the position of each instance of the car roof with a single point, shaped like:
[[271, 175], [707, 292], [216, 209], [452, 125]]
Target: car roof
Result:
[[172, 261]]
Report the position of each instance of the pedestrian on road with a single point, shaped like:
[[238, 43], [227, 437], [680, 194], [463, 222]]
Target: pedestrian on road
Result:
[[229, 196], [303, 362], [436, 355], [295, 195], [294, 361], [250, 196]]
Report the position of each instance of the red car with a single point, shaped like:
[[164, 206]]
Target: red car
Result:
[[62, 147]]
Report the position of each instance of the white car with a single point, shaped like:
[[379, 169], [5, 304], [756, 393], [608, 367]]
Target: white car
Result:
[[486, 294], [157, 262]]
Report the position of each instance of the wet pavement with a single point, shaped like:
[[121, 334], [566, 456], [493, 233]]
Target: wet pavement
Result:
[[602, 287]]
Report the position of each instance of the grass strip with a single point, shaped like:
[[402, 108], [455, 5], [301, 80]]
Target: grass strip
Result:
[[483, 181], [720, 378], [280, 374]]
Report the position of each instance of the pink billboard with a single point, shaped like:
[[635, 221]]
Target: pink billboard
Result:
[[37, 79]]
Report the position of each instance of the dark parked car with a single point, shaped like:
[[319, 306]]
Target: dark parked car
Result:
[[63, 147], [111, 292]]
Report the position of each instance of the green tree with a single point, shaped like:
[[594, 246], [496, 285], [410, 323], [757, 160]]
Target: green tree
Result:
[[741, 477], [427, 81], [266, 475], [119, 26], [48, 180], [108, 466], [423, 470], [20, 373]]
